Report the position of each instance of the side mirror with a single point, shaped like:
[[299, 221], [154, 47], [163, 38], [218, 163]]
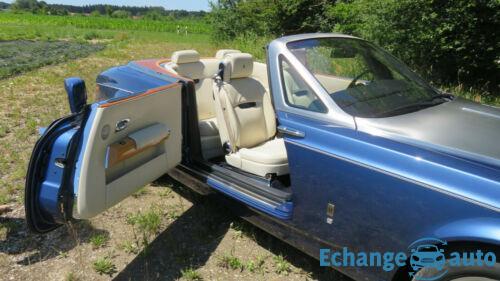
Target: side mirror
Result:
[[77, 93]]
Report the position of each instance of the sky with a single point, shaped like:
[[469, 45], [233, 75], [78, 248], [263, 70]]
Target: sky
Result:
[[190, 5]]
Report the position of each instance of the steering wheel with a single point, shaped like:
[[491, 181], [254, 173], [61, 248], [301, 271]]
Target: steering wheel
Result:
[[353, 82]]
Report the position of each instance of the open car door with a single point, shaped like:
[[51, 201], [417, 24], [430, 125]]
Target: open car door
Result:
[[89, 161]]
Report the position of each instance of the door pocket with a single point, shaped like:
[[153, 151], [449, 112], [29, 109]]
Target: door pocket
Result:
[[135, 150], [126, 183]]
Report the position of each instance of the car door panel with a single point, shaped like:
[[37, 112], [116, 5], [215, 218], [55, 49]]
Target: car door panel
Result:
[[101, 187], [88, 162]]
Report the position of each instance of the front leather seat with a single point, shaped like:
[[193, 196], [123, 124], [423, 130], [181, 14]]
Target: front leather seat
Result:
[[247, 123]]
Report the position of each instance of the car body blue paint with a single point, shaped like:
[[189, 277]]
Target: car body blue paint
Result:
[[480, 229], [386, 194], [134, 65], [51, 185], [129, 80]]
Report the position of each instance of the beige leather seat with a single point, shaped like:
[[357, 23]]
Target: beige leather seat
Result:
[[247, 123], [187, 63], [223, 52], [297, 92]]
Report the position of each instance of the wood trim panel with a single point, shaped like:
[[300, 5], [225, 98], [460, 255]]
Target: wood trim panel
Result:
[[125, 149]]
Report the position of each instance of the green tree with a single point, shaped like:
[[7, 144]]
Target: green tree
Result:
[[25, 5], [120, 14], [108, 10], [446, 41], [154, 14], [232, 18], [56, 11], [300, 16]]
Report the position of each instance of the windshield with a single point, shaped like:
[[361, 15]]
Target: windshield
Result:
[[362, 79]]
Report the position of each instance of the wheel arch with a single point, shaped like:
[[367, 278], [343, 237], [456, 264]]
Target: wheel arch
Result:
[[480, 230], [468, 234]]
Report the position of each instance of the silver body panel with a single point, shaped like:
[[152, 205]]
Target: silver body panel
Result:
[[461, 127]]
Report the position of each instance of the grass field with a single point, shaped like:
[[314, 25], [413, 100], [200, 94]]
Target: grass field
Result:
[[83, 21]]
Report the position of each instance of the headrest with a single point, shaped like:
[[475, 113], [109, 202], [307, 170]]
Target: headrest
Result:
[[186, 56], [222, 53], [237, 65]]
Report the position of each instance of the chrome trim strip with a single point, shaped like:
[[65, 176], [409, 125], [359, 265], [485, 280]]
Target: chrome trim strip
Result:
[[106, 159], [452, 194], [215, 178]]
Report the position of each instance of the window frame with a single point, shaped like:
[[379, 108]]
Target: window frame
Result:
[[282, 59], [278, 47]]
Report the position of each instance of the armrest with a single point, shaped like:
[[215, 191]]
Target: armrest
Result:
[[135, 143]]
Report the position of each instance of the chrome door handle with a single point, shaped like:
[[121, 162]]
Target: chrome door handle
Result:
[[291, 132], [122, 125]]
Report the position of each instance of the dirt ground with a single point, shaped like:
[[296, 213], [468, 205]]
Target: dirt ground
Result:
[[194, 241]]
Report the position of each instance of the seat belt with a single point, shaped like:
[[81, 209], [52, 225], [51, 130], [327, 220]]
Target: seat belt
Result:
[[218, 87]]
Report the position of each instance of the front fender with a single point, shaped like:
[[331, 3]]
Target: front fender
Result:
[[486, 230]]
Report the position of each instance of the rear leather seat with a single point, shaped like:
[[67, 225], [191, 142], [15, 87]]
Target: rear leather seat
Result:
[[187, 63], [246, 119]]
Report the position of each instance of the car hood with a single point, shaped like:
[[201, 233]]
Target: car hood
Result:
[[460, 127]]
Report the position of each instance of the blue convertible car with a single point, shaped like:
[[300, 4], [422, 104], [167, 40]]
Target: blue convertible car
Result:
[[333, 146]]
